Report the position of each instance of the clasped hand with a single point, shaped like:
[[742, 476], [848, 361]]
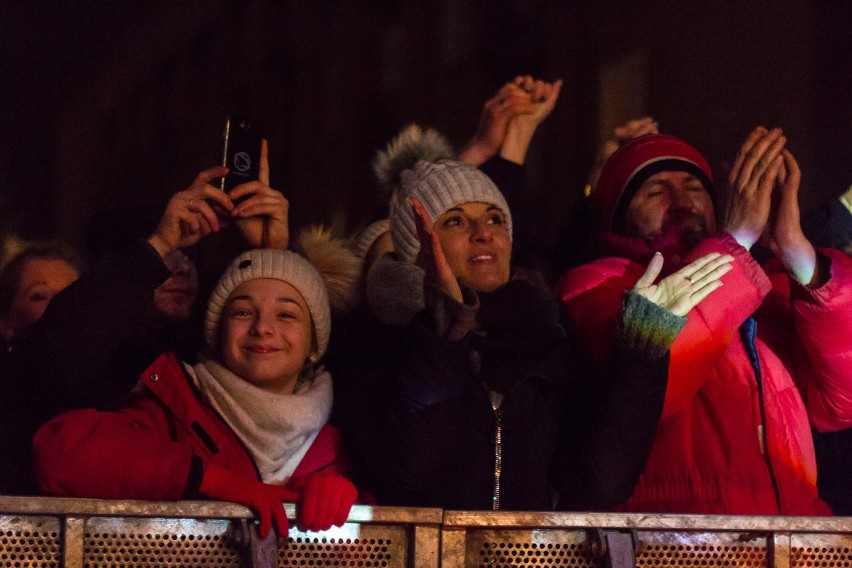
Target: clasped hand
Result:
[[763, 191]]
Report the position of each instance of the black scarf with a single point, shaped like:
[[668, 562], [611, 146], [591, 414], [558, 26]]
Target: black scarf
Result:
[[518, 324]]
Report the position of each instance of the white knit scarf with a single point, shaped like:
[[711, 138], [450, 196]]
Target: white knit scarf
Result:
[[277, 429]]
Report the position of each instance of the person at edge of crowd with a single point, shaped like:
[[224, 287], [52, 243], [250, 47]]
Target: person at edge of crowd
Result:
[[830, 225], [498, 147], [755, 361], [247, 423], [129, 305], [459, 389], [27, 284]]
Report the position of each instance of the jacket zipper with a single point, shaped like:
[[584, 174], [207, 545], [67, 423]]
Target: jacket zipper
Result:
[[496, 402], [748, 335]]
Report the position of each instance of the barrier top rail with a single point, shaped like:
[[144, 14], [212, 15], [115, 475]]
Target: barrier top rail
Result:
[[430, 516], [197, 509], [647, 521]]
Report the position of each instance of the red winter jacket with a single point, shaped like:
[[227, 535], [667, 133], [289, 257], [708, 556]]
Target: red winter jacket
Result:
[[145, 450], [730, 442]]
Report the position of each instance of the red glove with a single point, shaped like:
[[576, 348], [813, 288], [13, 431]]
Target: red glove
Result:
[[326, 500], [262, 498]]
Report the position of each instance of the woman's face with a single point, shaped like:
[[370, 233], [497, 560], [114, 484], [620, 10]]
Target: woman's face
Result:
[[266, 334], [477, 245], [41, 279]]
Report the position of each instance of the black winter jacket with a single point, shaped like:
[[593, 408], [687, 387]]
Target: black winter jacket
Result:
[[456, 412]]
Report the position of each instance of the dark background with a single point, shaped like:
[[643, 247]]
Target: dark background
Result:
[[104, 103]]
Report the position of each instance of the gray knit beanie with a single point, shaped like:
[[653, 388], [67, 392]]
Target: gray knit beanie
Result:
[[360, 244], [440, 186], [278, 264]]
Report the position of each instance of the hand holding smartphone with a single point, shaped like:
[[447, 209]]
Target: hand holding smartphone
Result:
[[241, 151]]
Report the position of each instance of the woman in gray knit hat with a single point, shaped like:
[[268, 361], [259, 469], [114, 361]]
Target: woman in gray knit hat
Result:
[[460, 390]]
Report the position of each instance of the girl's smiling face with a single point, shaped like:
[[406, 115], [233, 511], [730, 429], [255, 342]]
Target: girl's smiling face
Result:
[[266, 335]]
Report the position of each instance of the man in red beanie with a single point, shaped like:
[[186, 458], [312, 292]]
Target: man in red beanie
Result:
[[759, 361]]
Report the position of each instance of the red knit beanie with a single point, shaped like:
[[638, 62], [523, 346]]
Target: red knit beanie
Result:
[[635, 162]]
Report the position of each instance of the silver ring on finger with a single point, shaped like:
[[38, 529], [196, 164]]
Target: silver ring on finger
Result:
[[189, 205]]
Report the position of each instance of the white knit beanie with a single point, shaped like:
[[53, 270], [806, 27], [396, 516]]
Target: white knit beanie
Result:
[[440, 186], [278, 264]]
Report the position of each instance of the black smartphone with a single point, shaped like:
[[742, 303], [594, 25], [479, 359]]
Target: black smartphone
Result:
[[241, 151]]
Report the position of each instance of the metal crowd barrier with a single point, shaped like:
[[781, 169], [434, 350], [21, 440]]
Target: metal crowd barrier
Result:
[[76, 533], [644, 540]]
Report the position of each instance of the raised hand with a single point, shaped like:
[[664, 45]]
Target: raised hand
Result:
[[787, 240], [263, 218], [620, 136], [431, 255], [522, 126], [510, 101], [543, 96], [686, 288], [634, 129], [750, 185], [190, 214]]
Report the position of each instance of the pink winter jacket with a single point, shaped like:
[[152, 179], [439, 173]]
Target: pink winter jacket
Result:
[[145, 450], [730, 442]]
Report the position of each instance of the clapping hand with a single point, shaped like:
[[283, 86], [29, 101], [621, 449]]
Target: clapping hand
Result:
[[683, 290], [431, 255], [750, 185]]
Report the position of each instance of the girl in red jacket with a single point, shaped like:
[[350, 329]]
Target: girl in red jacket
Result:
[[247, 424]]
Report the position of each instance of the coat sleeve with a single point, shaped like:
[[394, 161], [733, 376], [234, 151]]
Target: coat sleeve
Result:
[[84, 326], [823, 323], [715, 322], [607, 438], [124, 454], [591, 298]]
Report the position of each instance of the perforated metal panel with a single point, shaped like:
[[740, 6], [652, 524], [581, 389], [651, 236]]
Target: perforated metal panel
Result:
[[131, 543], [821, 550], [539, 549], [657, 549], [126, 543], [701, 549], [29, 542], [370, 547]]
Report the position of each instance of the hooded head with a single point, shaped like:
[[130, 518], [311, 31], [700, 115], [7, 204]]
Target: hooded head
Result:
[[634, 163]]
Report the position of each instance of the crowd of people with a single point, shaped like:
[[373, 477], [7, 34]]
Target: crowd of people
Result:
[[697, 363]]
